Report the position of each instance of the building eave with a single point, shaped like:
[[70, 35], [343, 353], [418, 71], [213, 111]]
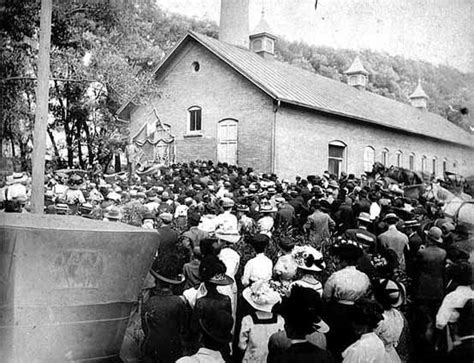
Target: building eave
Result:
[[368, 121]]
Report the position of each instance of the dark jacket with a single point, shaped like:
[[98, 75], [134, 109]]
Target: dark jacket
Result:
[[429, 280], [167, 240], [163, 322]]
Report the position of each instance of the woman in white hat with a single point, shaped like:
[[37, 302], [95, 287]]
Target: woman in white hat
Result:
[[261, 323], [309, 262], [390, 295]]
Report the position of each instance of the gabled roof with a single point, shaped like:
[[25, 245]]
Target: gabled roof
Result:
[[419, 92], [356, 67], [291, 85]]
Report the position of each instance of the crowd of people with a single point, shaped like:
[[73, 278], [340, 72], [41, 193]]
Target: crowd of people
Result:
[[253, 268]]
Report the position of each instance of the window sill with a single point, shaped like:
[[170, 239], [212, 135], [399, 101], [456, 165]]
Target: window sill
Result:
[[193, 134]]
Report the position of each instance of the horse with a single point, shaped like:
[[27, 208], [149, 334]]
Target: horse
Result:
[[400, 175]]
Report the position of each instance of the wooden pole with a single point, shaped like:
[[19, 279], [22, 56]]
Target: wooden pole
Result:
[[41, 113]]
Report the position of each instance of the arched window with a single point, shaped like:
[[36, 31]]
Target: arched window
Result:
[[445, 165], [411, 161], [399, 158], [194, 119], [434, 165], [369, 158], [384, 157], [337, 155], [423, 164]]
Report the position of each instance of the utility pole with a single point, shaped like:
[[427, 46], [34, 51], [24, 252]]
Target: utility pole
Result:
[[41, 113]]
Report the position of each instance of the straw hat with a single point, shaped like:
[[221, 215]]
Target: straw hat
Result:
[[364, 217], [308, 258], [390, 216], [166, 217], [227, 202], [113, 214], [267, 208], [261, 296]]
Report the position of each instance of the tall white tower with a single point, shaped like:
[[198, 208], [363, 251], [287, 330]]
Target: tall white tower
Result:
[[234, 22]]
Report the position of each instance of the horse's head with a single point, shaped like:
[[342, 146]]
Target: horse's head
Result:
[[378, 167]]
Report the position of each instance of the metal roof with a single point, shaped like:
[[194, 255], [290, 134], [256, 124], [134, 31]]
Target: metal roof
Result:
[[419, 92], [262, 28], [356, 67], [300, 87]]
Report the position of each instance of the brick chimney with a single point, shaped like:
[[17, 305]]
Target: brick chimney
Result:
[[234, 22]]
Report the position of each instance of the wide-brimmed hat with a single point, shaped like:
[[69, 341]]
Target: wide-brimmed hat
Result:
[[308, 258], [301, 311], [435, 234], [227, 202], [113, 214], [218, 325], [261, 296], [148, 216], [166, 268], [228, 235], [267, 208], [364, 217], [15, 178], [166, 217], [347, 249], [213, 270], [221, 279], [333, 184], [390, 216], [411, 223], [114, 196], [242, 208], [390, 292]]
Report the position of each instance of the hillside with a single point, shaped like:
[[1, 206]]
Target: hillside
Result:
[[451, 91], [104, 54]]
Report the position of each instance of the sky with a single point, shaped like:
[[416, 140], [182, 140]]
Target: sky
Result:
[[437, 31]]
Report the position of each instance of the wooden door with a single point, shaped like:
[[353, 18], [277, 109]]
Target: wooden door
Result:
[[227, 132]]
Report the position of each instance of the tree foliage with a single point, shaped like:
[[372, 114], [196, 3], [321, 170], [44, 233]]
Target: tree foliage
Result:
[[104, 53]]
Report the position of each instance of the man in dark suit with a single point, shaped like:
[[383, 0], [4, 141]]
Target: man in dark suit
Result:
[[429, 287], [318, 225], [167, 237]]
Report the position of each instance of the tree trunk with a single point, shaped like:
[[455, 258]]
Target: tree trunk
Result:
[[90, 150], [53, 142], [70, 153], [79, 144]]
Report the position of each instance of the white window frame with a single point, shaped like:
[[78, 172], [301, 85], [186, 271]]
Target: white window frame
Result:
[[188, 129], [384, 157], [411, 161], [368, 167], [343, 160], [424, 163], [399, 158]]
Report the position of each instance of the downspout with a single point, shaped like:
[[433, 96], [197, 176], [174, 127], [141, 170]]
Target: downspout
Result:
[[276, 106]]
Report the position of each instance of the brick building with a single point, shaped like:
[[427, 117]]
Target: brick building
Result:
[[220, 100]]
